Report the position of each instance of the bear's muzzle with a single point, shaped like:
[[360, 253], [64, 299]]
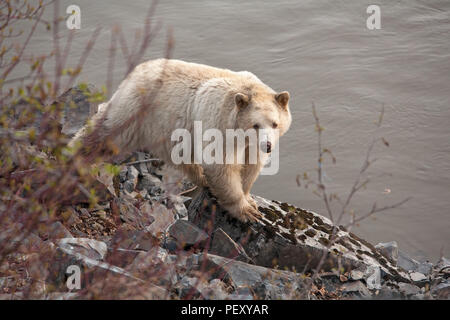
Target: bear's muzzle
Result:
[[266, 146]]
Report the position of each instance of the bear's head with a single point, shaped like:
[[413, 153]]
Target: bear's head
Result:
[[266, 112]]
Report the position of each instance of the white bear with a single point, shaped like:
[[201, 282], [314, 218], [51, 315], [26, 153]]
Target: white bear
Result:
[[160, 96]]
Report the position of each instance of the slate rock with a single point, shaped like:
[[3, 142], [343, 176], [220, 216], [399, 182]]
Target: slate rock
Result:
[[387, 293], [356, 289], [443, 265], [60, 296], [125, 245], [265, 283], [356, 274], [11, 296], [132, 179], [373, 277], [442, 290], [389, 250], [291, 238], [189, 288], [214, 290], [31, 243], [417, 276], [123, 174], [77, 108], [187, 234], [154, 266], [133, 240], [128, 186], [148, 181], [408, 289], [176, 203], [141, 167], [162, 218], [223, 245], [90, 248], [146, 260], [121, 257], [406, 262], [425, 268], [235, 296], [140, 219], [58, 231]]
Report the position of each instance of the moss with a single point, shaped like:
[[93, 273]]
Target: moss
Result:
[[284, 206], [383, 262], [324, 228], [269, 214], [318, 220], [305, 213], [265, 222], [285, 222], [337, 252], [367, 244], [394, 277], [371, 254], [377, 255], [279, 213], [290, 237], [356, 243], [300, 224], [394, 272], [324, 241], [293, 222], [270, 231], [389, 259], [342, 242], [310, 232], [306, 216]]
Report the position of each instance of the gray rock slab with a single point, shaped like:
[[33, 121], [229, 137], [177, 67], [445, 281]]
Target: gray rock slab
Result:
[[187, 234], [292, 238]]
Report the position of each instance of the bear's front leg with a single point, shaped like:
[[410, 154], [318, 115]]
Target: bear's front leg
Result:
[[249, 173], [225, 183]]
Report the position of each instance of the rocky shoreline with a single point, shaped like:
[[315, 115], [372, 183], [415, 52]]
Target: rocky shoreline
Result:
[[154, 236]]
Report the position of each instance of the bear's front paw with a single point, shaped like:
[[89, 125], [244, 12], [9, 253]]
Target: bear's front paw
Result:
[[244, 211], [250, 214]]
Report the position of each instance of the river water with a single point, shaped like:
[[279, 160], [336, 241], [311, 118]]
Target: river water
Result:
[[321, 51]]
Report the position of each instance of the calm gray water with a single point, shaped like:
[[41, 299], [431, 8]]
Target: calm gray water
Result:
[[322, 52]]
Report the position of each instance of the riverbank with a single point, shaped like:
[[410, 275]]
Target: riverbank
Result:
[[152, 235]]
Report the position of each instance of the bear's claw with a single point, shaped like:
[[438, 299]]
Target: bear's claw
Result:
[[250, 214], [252, 202]]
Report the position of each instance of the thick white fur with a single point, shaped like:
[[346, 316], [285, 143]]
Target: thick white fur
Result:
[[170, 94]]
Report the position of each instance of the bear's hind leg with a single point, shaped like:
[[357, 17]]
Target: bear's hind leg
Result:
[[195, 174]]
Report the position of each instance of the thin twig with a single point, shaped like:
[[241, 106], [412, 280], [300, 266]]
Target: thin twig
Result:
[[140, 161]]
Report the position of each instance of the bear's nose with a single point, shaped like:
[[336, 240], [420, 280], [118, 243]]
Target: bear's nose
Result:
[[266, 146]]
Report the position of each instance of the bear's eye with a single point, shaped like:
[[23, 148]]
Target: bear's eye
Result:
[[256, 126], [274, 125]]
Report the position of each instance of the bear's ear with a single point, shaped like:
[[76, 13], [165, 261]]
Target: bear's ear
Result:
[[241, 100], [282, 98]]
